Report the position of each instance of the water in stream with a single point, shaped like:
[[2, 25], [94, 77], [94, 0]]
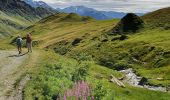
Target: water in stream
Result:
[[134, 80]]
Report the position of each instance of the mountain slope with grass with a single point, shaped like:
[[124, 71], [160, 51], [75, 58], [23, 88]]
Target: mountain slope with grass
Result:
[[147, 49], [17, 15], [159, 18], [81, 50]]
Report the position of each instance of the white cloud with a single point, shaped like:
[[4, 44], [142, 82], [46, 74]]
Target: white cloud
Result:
[[113, 5]]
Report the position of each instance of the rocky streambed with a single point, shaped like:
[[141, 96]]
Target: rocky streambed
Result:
[[137, 81]]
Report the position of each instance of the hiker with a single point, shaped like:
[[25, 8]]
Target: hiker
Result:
[[29, 42], [19, 44]]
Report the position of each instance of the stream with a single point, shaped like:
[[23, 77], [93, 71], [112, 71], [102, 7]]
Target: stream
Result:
[[137, 81]]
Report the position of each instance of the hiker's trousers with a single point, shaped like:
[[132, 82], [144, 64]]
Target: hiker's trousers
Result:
[[29, 46]]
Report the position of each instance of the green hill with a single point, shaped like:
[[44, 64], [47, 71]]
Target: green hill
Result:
[[89, 52], [146, 51], [159, 18], [17, 15]]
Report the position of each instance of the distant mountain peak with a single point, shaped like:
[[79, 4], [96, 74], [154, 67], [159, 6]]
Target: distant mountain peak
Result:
[[85, 11], [36, 4]]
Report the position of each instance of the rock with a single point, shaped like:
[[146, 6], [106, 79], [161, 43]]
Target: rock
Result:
[[168, 88], [143, 81], [115, 80], [137, 81], [160, 79]]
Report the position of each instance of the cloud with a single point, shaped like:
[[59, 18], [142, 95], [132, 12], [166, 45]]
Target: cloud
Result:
[[113, 5]]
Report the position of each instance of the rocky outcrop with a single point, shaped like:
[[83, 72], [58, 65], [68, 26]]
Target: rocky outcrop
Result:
[[128, 24]]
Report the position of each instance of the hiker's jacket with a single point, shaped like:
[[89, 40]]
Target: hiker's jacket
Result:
[[28, 39]]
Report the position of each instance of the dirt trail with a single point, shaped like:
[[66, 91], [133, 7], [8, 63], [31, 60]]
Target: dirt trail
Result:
[[12, 67]]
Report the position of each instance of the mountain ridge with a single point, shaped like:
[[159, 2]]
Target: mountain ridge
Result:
[[99, 15], [36, 4]]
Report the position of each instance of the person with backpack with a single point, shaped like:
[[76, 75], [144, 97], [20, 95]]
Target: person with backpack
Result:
[[29, 42], [19, 44]]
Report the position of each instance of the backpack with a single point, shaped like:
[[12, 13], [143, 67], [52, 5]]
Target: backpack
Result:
[[19, 41]]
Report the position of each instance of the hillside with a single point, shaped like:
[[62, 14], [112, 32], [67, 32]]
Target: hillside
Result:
[[72, 52], [159, 18], [87, 41], [17, 15], [144, 51]]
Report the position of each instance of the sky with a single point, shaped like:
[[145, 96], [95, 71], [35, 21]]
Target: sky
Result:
[[136, 6]]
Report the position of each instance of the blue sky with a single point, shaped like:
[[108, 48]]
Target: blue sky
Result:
[[113, 5]]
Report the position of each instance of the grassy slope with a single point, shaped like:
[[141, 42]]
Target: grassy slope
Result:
[[11, 23], [159, 18], [54, 76], [135, 52], [52, 31]]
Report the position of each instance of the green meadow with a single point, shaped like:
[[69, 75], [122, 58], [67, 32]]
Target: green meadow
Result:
[[72, 48]]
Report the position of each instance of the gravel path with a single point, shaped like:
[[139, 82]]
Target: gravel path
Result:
[[10, 63]]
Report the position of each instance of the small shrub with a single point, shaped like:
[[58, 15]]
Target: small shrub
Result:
[[62, 47], [76, 41], [160, 62], [105, 40], [107, 61], [167, 26], [36, 43], [120, 66], [99, 92], [82, 57], [123, 37], [80, 73]]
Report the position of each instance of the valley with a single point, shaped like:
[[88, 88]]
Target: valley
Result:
[[69, 49]]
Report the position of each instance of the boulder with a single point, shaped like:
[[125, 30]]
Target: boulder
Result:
[[143, 81], [116, 81]]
